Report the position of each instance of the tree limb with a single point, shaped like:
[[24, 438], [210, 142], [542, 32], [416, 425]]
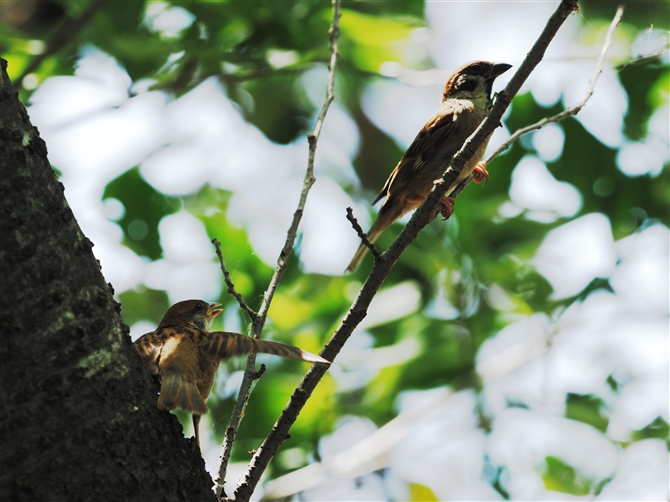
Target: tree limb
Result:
[[259, 321], [381, 268]]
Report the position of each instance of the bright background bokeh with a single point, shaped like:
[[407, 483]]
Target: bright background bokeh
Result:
[[517, 351]]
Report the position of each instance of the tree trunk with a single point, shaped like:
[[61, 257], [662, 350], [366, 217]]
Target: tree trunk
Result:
[[79, 418]]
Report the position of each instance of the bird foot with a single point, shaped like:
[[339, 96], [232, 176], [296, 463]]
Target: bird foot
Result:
[[480, 174], [447, 207]]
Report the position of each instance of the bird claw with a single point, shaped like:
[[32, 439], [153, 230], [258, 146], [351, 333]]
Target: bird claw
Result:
[[447, 207], [480, 174]]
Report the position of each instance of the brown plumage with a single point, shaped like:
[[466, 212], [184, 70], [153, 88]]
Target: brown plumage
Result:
[[466, 100], [185, 355]]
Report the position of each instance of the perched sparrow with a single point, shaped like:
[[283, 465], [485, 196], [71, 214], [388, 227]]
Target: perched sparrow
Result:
[[466, 100], [185, 355]]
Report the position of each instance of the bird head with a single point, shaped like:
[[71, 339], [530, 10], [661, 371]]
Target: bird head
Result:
[[197, 313], [474, 79]]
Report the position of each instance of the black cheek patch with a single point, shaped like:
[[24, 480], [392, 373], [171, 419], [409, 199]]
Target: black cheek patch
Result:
[[468, 85]]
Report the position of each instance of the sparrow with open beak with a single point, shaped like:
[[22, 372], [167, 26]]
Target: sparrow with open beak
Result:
[[466, 100], [185, 355]]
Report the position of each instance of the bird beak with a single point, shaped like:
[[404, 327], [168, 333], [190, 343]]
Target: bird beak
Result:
[[498, 69], [213, 309]]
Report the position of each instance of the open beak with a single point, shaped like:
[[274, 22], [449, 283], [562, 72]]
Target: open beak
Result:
[[498, 69], [213, 309]]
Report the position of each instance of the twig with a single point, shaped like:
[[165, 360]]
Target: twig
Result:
[[282, 261], [642, 59], [63, 35], [574, 110], [364, 237], [381, 268], [231, 287]]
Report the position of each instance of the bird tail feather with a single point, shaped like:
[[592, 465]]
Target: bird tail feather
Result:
[[176, 392]]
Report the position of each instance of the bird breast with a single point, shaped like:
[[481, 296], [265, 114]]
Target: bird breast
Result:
[[467, 115]]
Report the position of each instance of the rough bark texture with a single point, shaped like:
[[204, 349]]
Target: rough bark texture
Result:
[[79, 418]]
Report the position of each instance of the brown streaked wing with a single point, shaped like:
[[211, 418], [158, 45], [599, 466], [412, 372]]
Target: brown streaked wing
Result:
[[223, 344], [437, 131], [149, 347]]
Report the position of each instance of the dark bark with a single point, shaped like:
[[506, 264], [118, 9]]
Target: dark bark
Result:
[[79, 418]]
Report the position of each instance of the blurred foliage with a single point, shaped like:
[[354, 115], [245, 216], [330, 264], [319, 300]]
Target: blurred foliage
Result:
[[558, 476], [144, 208], [421, 493], [258, 50], [587, 409], [143, 304], [657, 429]]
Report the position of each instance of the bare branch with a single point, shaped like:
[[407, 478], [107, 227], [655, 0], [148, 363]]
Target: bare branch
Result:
[[574, 110], [643, 59], [381, 268], [309, 179], [65, 33], [243, 492], [363, 236], [231, 287]]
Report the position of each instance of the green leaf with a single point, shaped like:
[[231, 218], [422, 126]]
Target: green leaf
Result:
[[144, 208], [375, 39], [497, 484], [381, 389], [586, 408], [375, 31], [659, 428], [643, 86], [421, 493], [143, 304], [558, 476]]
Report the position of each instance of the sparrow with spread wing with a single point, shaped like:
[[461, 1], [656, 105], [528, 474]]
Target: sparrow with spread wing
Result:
[[466, 100], [185, 355]]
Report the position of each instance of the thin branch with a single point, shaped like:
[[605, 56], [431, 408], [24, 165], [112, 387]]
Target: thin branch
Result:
[[574, 110], [381, 268], [65, 33], [231, 287], [241, 492], [643, 59], [309, 179], [363, 236]]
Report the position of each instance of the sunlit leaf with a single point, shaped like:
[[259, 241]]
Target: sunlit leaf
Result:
[[376, 39], [558, 476], [421, 493], [587, 409], [659, 428]]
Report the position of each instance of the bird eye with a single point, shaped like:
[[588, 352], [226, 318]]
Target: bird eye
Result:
[[198, 307]]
